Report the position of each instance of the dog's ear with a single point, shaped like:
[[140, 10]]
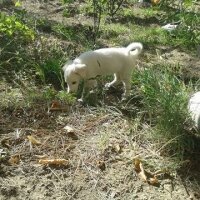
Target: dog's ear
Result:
[[66, 64], [80, 69]]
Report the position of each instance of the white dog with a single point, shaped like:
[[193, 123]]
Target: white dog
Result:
[[106, 61]]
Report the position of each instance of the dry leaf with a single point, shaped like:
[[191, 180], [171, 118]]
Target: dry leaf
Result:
[[101, 165], [117, 148], [53, 162], [139, 169], [142, 173], [155, 2], [137, 164], [14, 160], [70, 132], [153, 180], [32, 140], [56, 106]]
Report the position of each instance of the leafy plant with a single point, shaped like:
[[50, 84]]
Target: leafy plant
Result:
[[67, 1], [101, 8], [188, 31], [65, 97], [113, 6], [10, 26]]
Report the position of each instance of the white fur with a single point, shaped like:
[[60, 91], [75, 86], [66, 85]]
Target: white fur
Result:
[[106, 61]]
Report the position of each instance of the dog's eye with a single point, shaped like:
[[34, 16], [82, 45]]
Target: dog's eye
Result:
[[73, 83]]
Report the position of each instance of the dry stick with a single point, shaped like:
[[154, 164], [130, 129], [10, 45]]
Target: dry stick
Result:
[[118, 6], [169, 141], [58, 179], [89, 172], [77, 190]]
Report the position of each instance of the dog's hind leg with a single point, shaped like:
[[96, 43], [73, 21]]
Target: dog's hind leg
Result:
[[127, 88], [90, 86], [115, 81]]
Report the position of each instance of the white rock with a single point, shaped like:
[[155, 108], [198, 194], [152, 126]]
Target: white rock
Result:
[[194, 108], [169, 27]]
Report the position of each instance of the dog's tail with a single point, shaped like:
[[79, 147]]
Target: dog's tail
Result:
[[136, 46]]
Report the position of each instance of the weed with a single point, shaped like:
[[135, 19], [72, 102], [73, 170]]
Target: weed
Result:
[[51, 72], [165, 99], [65, 97], [10, 26]]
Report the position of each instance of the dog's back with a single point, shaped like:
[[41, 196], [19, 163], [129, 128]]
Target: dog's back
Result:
[[110, 60]]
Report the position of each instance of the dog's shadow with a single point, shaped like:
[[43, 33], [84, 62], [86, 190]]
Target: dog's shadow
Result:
[[113, 97], [101, 96]]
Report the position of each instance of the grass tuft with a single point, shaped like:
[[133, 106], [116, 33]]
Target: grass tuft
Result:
[[165, 99]]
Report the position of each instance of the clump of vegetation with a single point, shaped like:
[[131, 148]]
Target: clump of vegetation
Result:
[[11, 27], [165, 98], [186, 17], [50, 72]]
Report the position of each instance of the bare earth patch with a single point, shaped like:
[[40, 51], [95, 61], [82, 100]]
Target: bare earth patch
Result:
[[100, 151]]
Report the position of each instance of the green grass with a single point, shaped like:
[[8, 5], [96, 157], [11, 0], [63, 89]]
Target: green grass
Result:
[[50, 72], [164, 99]]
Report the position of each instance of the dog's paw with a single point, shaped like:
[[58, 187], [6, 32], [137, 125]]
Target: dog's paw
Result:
[[107, 85], [125, 96], [80, 100], [91, 92]]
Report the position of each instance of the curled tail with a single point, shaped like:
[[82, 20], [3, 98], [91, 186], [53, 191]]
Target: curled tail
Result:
[[136, 46]]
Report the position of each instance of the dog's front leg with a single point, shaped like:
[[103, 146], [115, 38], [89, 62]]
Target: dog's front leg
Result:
[[87, 89]]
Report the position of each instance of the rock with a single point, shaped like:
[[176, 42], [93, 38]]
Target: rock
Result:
[[194, 108]]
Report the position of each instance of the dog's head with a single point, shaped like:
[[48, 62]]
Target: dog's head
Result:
[[73, 73]]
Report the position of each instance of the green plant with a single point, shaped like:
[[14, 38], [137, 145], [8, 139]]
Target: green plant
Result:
[[10, 26], [113, 6], [97, 16], [48, 93], [65, 97], [67, 1], [188, 32], [165, 99], [15, 36], [50, 72]]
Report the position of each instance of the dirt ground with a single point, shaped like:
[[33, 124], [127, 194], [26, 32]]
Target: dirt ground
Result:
[[99, 150]]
